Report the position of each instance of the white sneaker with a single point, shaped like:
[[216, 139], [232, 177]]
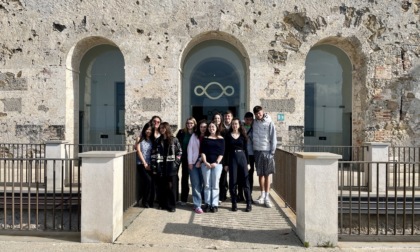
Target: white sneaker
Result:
[[267, 203], [260, 200]]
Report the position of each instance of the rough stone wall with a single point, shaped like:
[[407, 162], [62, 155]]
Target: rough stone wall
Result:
[[42, 43]]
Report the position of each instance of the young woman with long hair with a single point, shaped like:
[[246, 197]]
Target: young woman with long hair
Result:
[[144, 152], [194, 164], [236, 149], [212, 150], [166, 157], [184, 136]]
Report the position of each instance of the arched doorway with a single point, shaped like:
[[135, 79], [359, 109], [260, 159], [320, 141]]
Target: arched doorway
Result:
[[213, 80], [328, 97], [102, 96]]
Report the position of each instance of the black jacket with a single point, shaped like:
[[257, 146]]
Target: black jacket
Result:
[[166, 157]]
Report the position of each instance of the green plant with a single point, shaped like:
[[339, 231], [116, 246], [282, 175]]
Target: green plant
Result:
[[327, 244]]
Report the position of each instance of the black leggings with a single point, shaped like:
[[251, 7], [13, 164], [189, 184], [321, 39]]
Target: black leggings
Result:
[[167, 186], [185, 187], [147, 185], [238, 175]]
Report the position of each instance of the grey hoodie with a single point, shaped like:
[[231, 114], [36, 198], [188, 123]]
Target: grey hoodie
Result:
[[264, 135]]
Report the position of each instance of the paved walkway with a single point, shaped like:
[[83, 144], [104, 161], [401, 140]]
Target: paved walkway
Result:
[[263, 229]]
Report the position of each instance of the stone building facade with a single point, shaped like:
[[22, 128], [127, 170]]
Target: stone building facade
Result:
[[48, 85]]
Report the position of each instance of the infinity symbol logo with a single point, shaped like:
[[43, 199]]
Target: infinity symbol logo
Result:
[[200, 91]]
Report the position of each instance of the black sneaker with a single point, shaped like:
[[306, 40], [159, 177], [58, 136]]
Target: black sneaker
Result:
[[248, 208], [214, 209], [206, 208], [234, 207]]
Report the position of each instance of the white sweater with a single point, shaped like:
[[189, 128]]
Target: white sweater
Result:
[[193, 149]]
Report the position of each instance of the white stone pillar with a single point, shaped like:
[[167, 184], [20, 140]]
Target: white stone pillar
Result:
[[102, 195], [317, 198], [54, 149], [376, 152]]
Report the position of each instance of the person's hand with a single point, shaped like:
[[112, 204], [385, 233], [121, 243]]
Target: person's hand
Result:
[[147, 167], [208, 165], [226, 168], [198, 164], [190, 166]]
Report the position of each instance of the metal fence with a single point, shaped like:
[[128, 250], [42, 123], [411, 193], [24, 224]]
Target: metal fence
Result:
[[130, 180], [404, 153], [348, 153], [72, 150], [284, 180], [30, 201], [377, 207], [22, 150]]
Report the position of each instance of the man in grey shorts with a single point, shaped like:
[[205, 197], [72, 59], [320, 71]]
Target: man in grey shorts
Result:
[[264, 144]]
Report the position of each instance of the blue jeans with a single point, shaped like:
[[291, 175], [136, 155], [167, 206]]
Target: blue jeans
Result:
[[196, 178], [211, 179]]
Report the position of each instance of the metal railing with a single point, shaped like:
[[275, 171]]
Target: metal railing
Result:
[[73, 149], [22, 150], [353, 176], [381, 209], [284, 179], [353, 153], [404, 153], [130, 180], [29, 202]]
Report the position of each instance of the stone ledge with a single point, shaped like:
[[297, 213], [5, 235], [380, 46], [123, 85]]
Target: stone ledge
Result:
[[376, 144], [317, 155], [102, 154]]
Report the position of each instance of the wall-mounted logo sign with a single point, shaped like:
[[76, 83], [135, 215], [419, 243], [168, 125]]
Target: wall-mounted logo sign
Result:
[[200, 90]]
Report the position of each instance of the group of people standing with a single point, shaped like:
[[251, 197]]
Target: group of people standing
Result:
[[208, 152]]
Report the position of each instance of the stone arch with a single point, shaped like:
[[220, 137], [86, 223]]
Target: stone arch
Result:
[[215, 36], [73, 60], [352, 47]]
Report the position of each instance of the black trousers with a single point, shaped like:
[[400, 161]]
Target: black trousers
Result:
[[238, 175], [185, 188], [223, 185], [251, 171], [167, 186], [147, 185]]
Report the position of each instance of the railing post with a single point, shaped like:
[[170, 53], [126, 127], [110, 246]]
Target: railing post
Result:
[[54, 149], [317, 198], [376, 152], [102, 196]]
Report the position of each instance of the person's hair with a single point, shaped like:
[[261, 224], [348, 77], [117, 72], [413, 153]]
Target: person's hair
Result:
[[228, 112], [197, 131], [143, 131], [249, 115], [168, 132], [153, 118], [153, 127], [257, 109], [217, 133], [241, 129], [220, 126], [190, 119]]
